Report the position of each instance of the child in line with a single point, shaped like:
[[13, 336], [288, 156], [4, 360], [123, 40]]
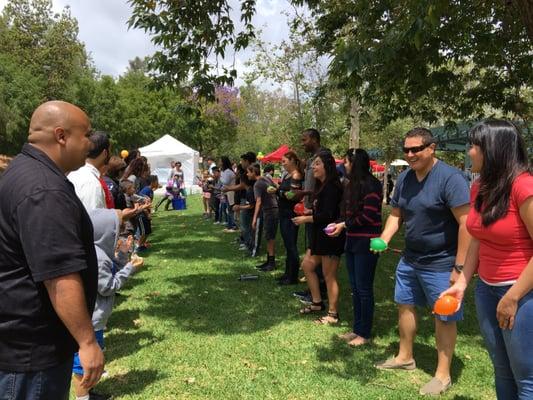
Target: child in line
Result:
[[144, 219], [204, 182], [114, 269], [246, 209], [215, 186]]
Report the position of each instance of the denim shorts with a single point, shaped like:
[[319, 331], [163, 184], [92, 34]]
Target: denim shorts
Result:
[[76, 366], [422, 287]]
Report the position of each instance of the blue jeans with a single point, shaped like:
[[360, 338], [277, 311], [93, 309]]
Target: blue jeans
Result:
[[52, 383], [361, 270], [215, 205], [289, 234], [227, 212], [511, 351], [224, 212], [246, 228]]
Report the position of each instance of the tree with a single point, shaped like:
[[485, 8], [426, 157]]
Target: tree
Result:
[[429, 59], [193, 36], [432, 60], [45, 43]]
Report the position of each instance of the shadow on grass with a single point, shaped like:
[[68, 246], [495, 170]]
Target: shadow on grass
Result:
[[220, 304], [359, 363], [131, 382], [122, 344]]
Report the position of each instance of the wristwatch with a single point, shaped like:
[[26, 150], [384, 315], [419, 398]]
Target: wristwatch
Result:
[[458, 268]]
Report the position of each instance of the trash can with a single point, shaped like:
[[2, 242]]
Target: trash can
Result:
[[178, 203]]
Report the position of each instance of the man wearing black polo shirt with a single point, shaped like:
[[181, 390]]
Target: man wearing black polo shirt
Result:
[[48, 269]]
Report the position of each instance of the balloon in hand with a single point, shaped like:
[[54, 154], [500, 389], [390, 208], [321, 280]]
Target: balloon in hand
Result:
[[446, 305], [378, 244], [299, 209], [328, 230]]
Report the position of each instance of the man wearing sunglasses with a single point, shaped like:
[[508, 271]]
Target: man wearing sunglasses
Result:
[[432, 200]]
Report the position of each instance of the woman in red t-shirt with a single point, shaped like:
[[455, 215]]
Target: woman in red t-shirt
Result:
[[501, 252]]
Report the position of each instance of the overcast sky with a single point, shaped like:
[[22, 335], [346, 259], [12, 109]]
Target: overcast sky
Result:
[[111, 45]]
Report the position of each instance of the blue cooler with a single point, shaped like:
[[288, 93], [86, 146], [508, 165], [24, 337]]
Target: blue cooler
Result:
[[178, 203]]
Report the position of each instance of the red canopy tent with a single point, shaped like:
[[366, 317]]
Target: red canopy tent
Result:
[[276, 155], [373, 165]]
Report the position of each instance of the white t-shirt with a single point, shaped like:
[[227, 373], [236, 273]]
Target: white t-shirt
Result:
[[86, 181]]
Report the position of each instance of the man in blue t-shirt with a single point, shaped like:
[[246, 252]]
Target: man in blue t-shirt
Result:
[[432, 200]]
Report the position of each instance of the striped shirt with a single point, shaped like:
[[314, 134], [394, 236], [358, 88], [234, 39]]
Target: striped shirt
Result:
[[364, 223]]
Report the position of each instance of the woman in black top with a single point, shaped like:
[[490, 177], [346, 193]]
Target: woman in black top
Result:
[[291, 183], [324, 249]]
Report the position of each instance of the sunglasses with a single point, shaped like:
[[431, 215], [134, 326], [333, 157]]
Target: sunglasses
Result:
[[415, 149]]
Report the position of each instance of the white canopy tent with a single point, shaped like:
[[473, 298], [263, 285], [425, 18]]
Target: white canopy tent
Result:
[[166, 149], [399, 162]]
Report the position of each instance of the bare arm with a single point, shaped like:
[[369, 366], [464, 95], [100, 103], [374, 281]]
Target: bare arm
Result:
[[463, 241], [256, 212], [471, 263], [234, 188], [393, 224], [68, 299]]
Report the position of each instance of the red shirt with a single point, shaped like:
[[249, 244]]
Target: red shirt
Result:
[[505, 246], [109, 202]]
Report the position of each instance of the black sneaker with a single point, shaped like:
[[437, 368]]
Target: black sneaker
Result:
[[261, 266], [99, 396], [268, 268], [301, 294], [287, 281], [307, 300]]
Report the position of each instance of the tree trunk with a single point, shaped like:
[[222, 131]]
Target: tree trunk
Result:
[[524, 9], [355, 130], [386, 182]]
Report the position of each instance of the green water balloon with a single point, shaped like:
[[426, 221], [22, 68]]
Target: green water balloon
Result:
[[378, 244]]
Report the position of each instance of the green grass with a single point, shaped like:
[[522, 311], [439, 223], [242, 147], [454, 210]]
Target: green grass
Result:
[[186, 328]]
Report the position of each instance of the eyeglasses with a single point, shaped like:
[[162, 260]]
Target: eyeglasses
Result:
[[415, 149]]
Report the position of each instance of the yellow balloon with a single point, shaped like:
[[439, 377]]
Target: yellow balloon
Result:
[[124, 153]]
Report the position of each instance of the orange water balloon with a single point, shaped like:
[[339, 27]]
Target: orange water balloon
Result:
[[124, 153], [446, 305]]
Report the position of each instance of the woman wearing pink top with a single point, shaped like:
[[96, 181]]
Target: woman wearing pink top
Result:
[[501, 224]]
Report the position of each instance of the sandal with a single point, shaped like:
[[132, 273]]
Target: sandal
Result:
[[331, 318], [312, 308]]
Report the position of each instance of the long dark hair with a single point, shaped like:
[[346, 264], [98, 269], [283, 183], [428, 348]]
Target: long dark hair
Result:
[[136, 167], [226, 163], [360, 180], [504, 158], [332, 176], [292, 156]]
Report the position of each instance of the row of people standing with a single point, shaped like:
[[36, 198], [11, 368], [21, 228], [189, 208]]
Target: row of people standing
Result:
[[434, 203], [439, 213]]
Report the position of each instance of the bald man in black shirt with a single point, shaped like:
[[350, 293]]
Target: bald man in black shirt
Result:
[[48, 270]]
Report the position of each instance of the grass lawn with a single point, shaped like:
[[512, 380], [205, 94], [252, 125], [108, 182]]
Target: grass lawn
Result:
[[186, 328]]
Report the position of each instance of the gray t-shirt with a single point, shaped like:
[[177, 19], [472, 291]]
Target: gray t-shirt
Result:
[[431, 230], [268, 201]]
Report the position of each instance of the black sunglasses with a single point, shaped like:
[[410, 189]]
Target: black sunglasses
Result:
[[415, 149]]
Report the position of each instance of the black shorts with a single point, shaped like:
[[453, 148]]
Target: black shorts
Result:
[[270, 223]]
